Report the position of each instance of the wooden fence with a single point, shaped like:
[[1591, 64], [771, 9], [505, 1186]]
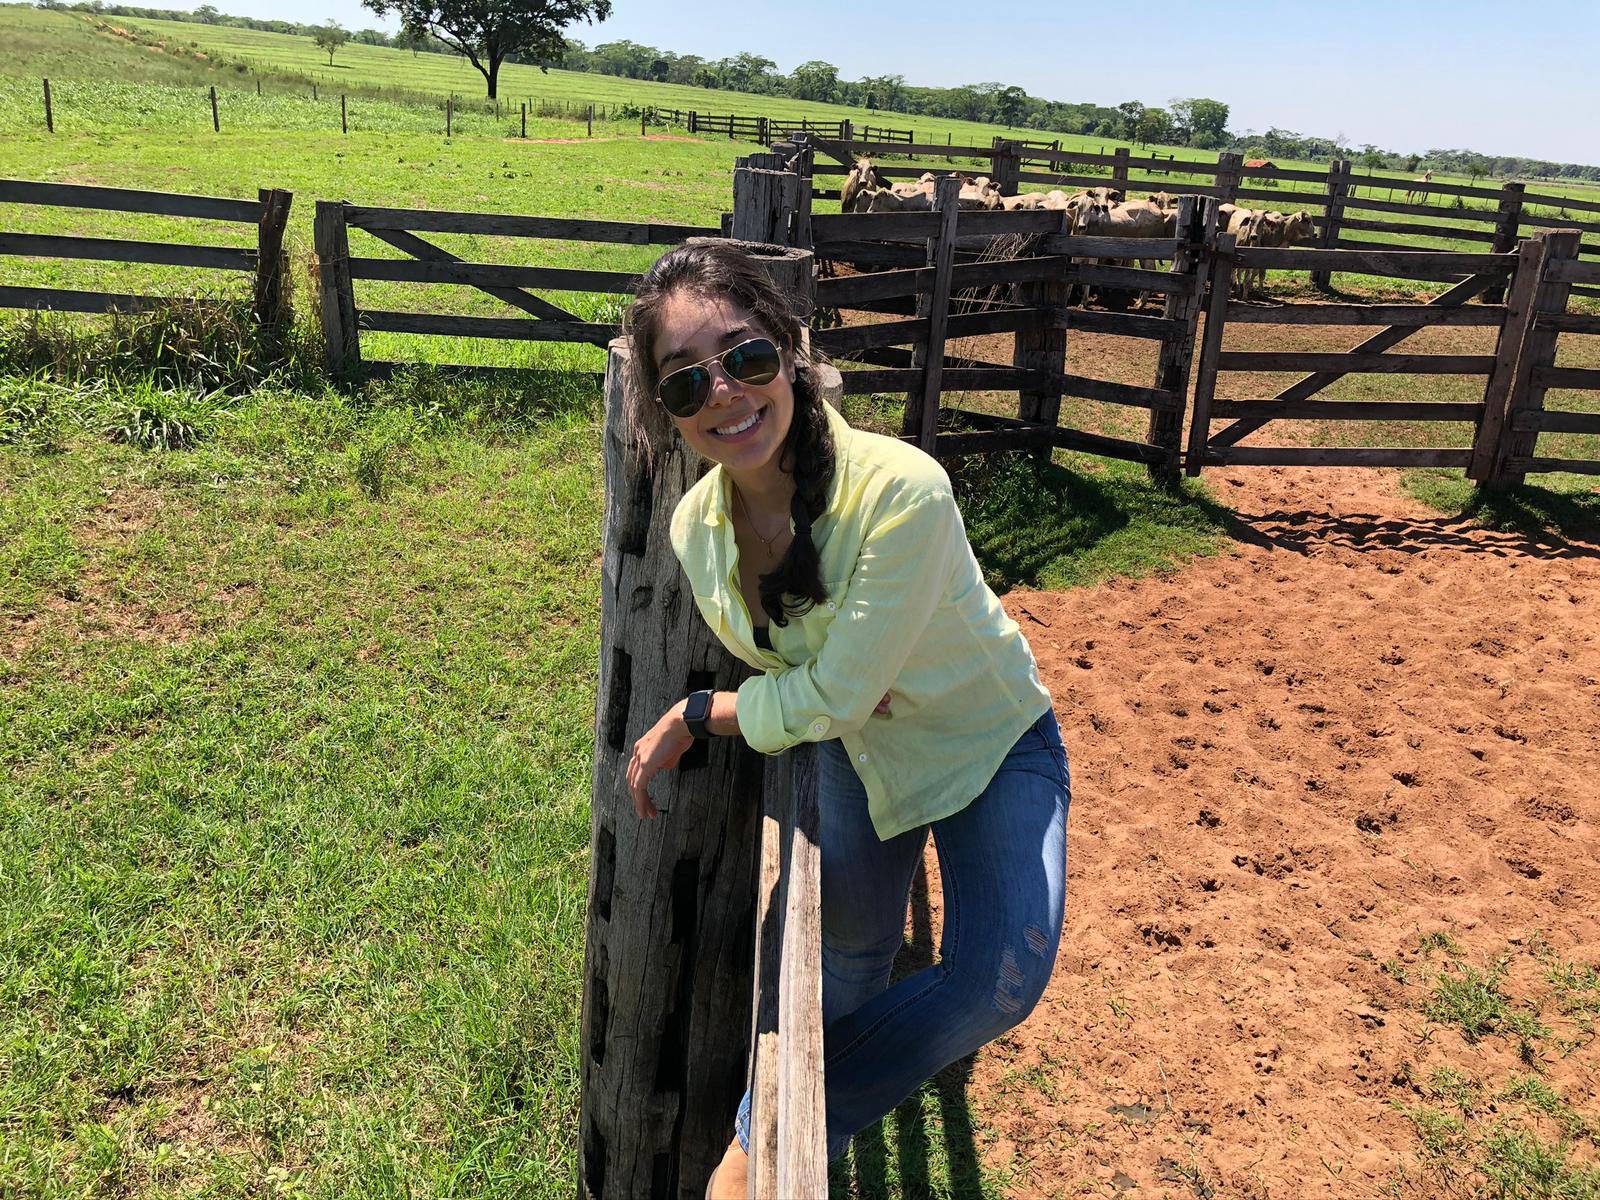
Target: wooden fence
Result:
[[1350, 210], [343, 320], [269, 213]]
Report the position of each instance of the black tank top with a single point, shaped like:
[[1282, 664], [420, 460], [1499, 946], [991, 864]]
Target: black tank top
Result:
[[763, 637]]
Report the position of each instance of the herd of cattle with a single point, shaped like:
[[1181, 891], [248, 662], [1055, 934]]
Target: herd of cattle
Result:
[[1095, 212]]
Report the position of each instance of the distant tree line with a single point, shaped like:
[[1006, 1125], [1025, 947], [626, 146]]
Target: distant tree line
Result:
[[1195, 121]]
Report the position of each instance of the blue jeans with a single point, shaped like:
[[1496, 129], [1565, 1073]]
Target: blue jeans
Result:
[[1003, 864]]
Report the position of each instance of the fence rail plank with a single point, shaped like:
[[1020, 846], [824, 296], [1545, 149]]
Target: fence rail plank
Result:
[[510, 328], [1365, 314], [1350, 363], [1129, 394], [1088, 320], [166, 204], [47, 245], [1575, 466], [1348, 410], [559, 279], [1374, 262], [1581, 378], [1551, 420], [954, 379], [418, 220], [68, 300], [1568, 322], [1333, 456], [1572, 271]]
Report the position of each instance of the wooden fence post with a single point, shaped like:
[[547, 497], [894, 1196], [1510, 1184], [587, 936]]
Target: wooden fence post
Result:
[[331, 242], [1119, 169], [1043, 349], [272, 266], [921, 418], [49, 110], [1205, 381], [846, 133], [1196, 230], [449, 113], [1535, 356], [1507, 228], [590, 119], [766, 201], [669, 959], [1007, 166], [524, 119], [1338, 188], [313, 89], [1493, 425], [216, 123], [1230, 171], [693, 121], [643, 113], [344, 118]]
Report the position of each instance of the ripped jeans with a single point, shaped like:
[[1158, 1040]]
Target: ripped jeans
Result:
[[1003, 865]]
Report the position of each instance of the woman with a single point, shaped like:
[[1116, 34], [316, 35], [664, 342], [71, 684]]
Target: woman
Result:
[[835, 562]]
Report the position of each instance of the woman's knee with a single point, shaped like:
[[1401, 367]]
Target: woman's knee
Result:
[[1011, 986]]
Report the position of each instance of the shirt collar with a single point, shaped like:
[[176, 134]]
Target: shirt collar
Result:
[[720, 507]]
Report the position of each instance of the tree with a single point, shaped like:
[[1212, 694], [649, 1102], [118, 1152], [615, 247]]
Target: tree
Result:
[[1131, 111], [1201, 122], [1009, 105], [1373, 158], [814, 80], [330, 37], [1155, 125], [206, 14], [490, 31]]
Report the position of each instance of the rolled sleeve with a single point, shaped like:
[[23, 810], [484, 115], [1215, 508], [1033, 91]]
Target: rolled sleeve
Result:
[[900, 577]]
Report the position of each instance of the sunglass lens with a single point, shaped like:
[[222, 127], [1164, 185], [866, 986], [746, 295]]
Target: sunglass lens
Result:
[[683, 392], [755, 362]]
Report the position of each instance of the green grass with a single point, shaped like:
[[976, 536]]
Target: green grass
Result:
[[294, 816]]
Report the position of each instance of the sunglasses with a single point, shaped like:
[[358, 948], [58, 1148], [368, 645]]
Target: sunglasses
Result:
[[684, 392]]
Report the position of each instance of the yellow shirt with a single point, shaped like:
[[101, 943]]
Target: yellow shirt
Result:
[[908, 613]]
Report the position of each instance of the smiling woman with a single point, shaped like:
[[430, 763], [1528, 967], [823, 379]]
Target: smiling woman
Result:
[[880, 641]]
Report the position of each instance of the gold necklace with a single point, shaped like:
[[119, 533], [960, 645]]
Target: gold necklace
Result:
[[738, 497]]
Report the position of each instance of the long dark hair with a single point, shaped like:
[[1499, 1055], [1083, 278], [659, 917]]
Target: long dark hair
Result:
[[724, 271]]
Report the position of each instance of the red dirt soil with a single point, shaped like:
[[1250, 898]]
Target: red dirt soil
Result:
[[1370, 724]]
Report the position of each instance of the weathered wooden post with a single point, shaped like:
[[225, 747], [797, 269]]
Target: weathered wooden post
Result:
[[1338, 189], [694, 119], [331, 242], [1196, 228], [271, 264], [524, 119], [449, 113], [1519, 436], [921, 419], [1230, 169], [344, 120], [1043, 349], [1119, 169], [49, 110], [1007, 166], [670, 947], [766, 200], [1507, 227], [590, 120], [1205, 382], [216, 123], [313, 89]]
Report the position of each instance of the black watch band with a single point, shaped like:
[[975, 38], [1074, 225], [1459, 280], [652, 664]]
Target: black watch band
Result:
[[696, 711]]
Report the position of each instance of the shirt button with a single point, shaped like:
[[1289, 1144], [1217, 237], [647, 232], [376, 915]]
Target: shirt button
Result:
[[819, 727], [832, 607], [862, 758]]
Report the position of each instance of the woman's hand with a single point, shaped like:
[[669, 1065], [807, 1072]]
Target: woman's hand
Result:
[[658, 750]]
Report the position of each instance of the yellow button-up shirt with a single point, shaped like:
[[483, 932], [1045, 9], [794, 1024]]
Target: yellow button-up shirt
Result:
[[908, 613]]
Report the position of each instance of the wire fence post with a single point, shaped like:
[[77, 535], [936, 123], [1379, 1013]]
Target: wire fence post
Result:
[[344, 121], [591, 121], [49, 112], [449, 113], [216, 122]]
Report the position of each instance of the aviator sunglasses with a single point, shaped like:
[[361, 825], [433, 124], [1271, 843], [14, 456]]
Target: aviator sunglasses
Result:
[[684, 392]]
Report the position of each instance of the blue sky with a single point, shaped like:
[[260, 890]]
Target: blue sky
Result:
[[1404, 74]]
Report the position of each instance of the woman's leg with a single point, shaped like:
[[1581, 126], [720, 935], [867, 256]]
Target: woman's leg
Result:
[[866, 884], [1002, 861]]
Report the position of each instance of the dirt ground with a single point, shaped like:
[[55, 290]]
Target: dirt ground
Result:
[[1290, 766]]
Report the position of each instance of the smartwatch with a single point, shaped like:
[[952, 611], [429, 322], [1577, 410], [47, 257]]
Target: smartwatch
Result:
[[696, 711]]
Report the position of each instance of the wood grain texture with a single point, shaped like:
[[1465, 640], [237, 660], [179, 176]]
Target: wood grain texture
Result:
[[1352, 363], [1333, 456], [1536, 356], [508, 225], [1219, 285], [168, 204], [1486, 315]]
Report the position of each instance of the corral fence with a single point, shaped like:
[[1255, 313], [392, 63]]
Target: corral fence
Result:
[[1350, 211], [918, 281]]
